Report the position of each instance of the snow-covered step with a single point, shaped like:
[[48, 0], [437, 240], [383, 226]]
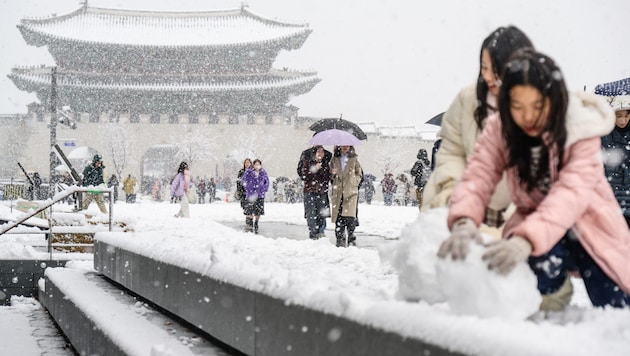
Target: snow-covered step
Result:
[[27, 329], [100, 319], [251, 322]]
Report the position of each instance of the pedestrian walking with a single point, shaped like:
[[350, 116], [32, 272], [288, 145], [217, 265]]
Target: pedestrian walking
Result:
[[212, 190], [315, 171], [129, 187], [346, 175], [388, 188], [202, 190], [421, 171], [256, 183], [368, 187], [548, 144], [93, 177], [403, 190], [180, 188], [240, 194]]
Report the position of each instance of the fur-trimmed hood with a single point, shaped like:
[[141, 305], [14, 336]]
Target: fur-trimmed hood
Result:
[[588, 115]]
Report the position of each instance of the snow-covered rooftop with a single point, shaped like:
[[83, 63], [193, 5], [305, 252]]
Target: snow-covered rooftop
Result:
[[153, 28], [41, 76]]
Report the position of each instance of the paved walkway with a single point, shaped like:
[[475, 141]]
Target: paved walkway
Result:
[[275, 229]]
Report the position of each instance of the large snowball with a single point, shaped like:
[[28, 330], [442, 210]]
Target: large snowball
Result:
[[414, 257], [471, 289]]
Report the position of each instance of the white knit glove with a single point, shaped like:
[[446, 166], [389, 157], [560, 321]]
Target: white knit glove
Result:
[[503, 255], [464, 231]]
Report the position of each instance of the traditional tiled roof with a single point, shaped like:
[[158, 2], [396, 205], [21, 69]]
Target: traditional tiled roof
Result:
[[35, 77], [399, 131], [368, 127], [163, 29]]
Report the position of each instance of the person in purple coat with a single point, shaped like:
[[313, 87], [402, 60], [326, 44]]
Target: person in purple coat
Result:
[[256, 183]]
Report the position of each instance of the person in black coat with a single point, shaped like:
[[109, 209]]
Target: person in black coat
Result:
[[617, 154], [316, 175], [240, 189], [315, 197], [93, 177], [421, 171]]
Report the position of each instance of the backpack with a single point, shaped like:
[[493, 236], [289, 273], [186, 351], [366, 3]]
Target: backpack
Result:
[[426, 173]]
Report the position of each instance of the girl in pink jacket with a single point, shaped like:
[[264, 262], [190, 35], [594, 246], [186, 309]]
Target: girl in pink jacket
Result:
[[567, 217]]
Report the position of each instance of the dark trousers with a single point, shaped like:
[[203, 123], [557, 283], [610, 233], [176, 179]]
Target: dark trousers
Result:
[[343, 223], [568, 254], [316, 209]]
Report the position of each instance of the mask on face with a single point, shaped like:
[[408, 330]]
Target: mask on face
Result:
[[257, 166]]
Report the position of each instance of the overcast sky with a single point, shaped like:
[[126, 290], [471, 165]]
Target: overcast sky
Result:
[[393, 62]]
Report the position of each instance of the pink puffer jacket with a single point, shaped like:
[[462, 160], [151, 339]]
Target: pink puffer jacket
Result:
[[580, 197]]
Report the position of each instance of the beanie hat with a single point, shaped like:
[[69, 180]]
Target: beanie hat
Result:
[[620, 102]]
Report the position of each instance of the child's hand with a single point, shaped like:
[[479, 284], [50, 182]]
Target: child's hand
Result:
[[503, 255], [464, 231]]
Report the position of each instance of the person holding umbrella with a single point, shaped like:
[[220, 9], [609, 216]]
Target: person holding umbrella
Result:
[[315, 172], [346, 175]]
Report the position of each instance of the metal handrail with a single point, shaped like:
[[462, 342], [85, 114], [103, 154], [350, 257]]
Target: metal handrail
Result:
[[57, 198]]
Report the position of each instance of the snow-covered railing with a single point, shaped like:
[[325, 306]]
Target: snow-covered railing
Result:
[[55, 199]]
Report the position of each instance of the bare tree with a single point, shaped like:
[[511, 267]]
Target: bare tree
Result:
[[13, 138], [247, 145], [391, 155], [196, 146], [119, 146]]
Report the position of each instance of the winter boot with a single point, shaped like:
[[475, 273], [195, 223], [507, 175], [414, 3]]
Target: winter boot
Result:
[[249, 223], [352, 240], [256, 226], [558, 300], [339, 234]]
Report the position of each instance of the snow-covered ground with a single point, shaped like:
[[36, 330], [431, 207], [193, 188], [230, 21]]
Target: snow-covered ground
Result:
[[472, 310]]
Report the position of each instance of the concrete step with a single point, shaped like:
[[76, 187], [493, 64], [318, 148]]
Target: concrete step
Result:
[[99, 318], [250, 322]]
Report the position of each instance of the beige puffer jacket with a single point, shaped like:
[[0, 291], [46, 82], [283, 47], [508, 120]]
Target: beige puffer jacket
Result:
[[459, 134]]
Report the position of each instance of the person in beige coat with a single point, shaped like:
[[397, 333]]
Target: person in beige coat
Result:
[[346, 174], [464, 120]]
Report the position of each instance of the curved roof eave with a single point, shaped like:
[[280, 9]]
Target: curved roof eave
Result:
[[32, 27], [42, 80], [299, 37]]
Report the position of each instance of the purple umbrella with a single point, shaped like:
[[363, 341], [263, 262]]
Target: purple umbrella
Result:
[[334, 137]]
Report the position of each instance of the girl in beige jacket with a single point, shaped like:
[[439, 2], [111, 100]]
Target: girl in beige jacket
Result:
[[464, 120]]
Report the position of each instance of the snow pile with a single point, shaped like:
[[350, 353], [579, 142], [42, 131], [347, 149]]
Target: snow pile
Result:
[[11, 250], [467, 286], [471, 289], [414, 257]]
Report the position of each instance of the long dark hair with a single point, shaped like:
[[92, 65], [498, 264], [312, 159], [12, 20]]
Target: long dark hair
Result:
[[530, 68], [182, 166], [501, 43]]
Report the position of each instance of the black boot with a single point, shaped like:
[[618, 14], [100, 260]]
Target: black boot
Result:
[[255, 226], [341, 240], [249, 222]]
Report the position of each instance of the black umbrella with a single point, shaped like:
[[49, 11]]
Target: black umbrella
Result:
[[339, 124], [436, 120], [619, 87]]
